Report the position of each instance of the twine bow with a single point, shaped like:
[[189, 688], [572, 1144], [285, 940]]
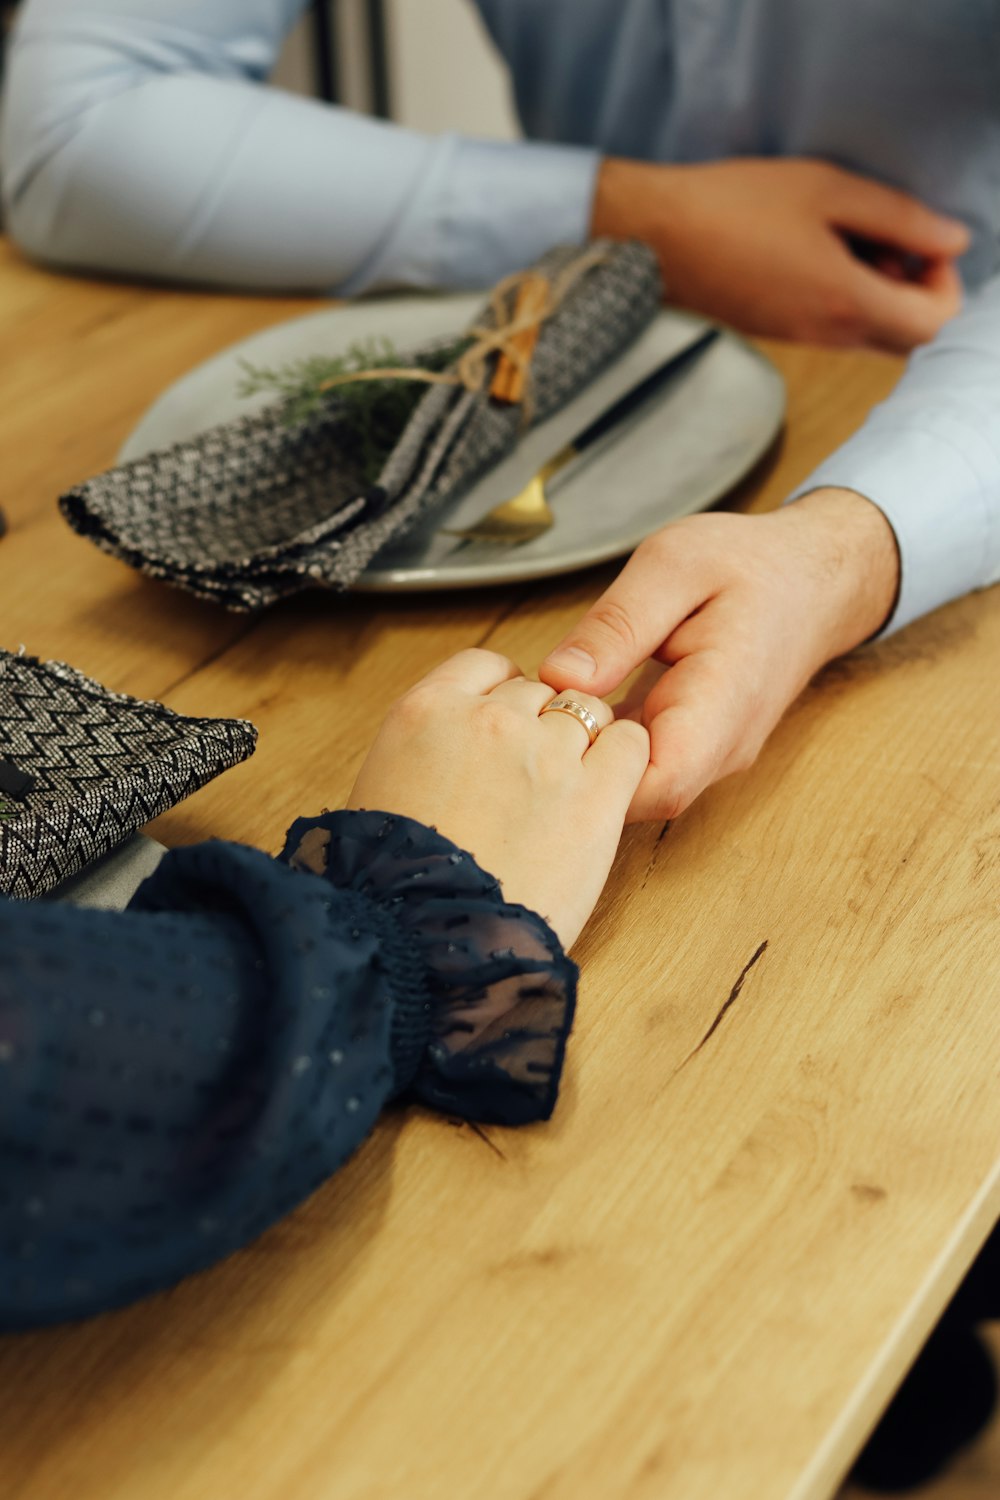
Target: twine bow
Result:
[[505, 336]]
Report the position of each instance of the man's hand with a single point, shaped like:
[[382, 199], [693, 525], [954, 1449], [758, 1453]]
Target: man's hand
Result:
[[741, 611], [793, 248]]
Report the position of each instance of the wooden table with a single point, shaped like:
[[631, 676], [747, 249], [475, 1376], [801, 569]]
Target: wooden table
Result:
[[702, 1279]]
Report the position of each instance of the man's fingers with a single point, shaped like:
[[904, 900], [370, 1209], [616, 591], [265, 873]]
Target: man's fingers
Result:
[[942, 278], [694, 716], [860, 206], [633, 702], [901, 314], [628, 623]]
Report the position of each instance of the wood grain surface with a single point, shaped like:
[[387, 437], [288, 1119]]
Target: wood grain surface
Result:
[[703, 1278]]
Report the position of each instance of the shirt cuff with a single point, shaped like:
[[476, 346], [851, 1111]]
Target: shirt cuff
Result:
[[933, 494], [485, 209]]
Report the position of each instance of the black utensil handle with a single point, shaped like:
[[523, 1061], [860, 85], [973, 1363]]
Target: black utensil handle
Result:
[[639, 393]]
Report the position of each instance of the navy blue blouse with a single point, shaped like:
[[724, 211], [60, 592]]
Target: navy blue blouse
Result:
[[176, 1077]]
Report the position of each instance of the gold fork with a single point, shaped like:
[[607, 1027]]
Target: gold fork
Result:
[[529, 514], [523, 517]]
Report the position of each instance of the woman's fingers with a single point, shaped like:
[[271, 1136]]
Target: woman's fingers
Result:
[[533, 698], [472, 671], [619, 756], [565, 730], [696, 715], [524, 695], [470, 753]]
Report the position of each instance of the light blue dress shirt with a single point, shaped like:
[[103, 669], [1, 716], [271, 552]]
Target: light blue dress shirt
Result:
[[138, 138]]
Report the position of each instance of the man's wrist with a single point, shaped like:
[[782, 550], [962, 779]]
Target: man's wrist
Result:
[[612, 207], [857, 556], [624, 207]]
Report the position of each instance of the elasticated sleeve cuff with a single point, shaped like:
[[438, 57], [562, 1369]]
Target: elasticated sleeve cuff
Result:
[[483, 994]]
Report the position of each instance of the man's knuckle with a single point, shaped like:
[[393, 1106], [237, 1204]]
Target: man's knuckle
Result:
[[614, 620], [672, 802], [656, 547], [843, 316], [805, 327], [670, 790]]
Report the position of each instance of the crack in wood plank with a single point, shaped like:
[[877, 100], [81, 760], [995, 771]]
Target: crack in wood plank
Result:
[[655, 853], [730, 1001], [478, 1130], [210, 659]]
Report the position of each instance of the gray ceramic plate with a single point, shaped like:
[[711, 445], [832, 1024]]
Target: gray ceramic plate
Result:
[[679, 454], [110, 883]]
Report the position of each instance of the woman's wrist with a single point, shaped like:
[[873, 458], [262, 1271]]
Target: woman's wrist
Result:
[[480, 988]]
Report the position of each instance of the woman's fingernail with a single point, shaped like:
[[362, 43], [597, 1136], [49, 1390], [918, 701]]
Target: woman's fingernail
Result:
[[572, 659]]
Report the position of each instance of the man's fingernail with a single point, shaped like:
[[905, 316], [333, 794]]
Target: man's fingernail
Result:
[[572, 659]]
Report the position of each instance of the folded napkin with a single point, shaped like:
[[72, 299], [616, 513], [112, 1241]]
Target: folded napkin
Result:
[[262, 507], [82, 768]]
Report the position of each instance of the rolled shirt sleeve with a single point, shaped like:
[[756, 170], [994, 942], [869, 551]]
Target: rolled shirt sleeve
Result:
[[929, 458], [138, 138]]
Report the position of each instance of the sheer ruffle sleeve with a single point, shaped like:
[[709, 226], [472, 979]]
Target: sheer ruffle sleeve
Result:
[[489, 1043], [176, 1077]]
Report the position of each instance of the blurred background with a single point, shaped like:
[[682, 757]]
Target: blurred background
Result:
[[428, 65]]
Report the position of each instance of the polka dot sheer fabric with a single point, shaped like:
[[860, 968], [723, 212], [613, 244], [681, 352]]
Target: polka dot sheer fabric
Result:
[[175, 1078]]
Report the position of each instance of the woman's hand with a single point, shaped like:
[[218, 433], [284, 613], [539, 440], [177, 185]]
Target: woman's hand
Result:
[[467, 752], [794, 249], [742, 611]]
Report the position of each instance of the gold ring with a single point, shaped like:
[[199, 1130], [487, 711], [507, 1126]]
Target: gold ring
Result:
[[576, 711]]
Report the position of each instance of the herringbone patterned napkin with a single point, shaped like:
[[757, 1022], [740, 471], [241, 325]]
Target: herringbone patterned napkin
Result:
[[262, 507], [84, 768]]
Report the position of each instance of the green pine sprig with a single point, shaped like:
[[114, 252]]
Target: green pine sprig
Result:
[[299, 384], [374, 411]]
